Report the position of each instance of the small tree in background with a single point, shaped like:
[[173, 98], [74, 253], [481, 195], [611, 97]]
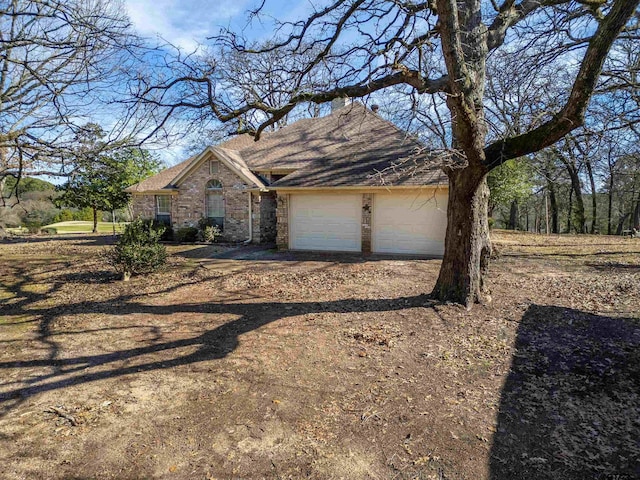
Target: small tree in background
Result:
[[509, 184], [102, 172], [123, 168]]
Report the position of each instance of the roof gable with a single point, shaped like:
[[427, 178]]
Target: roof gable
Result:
[[163, 180], [230, 158], [170, 178]]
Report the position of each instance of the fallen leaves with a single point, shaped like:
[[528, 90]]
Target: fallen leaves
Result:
[[352, 356]]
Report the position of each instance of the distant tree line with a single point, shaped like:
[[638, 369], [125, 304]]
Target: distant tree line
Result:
[[588, 183], [30, 204]]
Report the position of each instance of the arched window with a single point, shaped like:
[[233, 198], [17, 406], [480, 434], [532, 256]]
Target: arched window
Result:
[[214, 202]]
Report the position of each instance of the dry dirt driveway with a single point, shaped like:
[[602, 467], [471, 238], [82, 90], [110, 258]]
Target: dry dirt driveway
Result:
[[300, 366]]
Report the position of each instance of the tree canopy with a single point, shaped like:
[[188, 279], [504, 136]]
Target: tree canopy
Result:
[[101, 173], [510, 182]]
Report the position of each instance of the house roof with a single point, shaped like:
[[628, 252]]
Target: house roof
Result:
[[355, 147], [169, 178], [351, 147], [162, 180]]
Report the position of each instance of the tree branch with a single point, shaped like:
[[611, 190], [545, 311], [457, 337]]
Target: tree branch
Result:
[[572, 114], [510, 14]]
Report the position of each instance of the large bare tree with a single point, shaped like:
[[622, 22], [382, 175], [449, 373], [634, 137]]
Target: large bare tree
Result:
[[439, 48], [58, 61]]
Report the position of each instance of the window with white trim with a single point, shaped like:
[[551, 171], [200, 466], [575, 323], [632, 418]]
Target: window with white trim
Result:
[[163, 209], [214, 199]]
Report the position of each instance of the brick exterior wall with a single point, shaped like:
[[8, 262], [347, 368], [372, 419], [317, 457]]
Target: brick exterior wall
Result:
[[282, 217], [190, 205], [190, 202], [143, 206], [367, 205]]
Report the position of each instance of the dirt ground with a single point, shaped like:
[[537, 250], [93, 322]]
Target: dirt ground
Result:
[[316, 366]]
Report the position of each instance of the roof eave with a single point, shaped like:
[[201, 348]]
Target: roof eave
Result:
[[161, 191], [358, 187]]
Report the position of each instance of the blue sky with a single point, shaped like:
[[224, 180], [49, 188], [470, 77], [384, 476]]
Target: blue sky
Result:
[[188, 23], [185, 23]]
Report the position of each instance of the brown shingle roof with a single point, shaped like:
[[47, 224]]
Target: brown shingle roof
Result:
[[350, 147], [162, 180]]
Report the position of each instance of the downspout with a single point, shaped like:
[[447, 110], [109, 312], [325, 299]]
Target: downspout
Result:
[[248, 240]]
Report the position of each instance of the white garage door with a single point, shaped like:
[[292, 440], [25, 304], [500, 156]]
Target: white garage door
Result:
[[410, 222], [325, 222]]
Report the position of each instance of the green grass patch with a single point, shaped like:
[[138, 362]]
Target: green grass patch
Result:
[[81, 227]]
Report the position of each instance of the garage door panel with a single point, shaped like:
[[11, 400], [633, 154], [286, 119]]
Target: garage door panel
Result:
[[411, 223], [325, 222]]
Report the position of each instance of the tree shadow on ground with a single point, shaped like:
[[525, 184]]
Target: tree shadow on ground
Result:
[[570, 407], [568, 254], [54, 370], [86, 239], [608, 266]]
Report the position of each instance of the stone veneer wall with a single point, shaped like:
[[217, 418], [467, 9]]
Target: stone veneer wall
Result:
[[268, 207], [264, 217], [367, 205], [282, 216], [255, 217]]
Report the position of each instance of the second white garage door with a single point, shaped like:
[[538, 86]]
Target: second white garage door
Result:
[[410, 223], [325, 222]]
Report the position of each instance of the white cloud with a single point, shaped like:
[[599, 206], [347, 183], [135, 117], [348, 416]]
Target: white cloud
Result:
[[184, 23]]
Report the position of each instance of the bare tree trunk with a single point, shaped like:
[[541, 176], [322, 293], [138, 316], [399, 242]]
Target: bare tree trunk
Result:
[[513, 216], [95, 219], [547, 170], [579, 217], [553, 204], [621, 223], [594, 203], [546, 214], [610, 206], [570, 211], [467, 243], [635, 219]]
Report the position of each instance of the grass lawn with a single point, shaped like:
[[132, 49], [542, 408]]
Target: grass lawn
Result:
[[294, 365], [82, 227]]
